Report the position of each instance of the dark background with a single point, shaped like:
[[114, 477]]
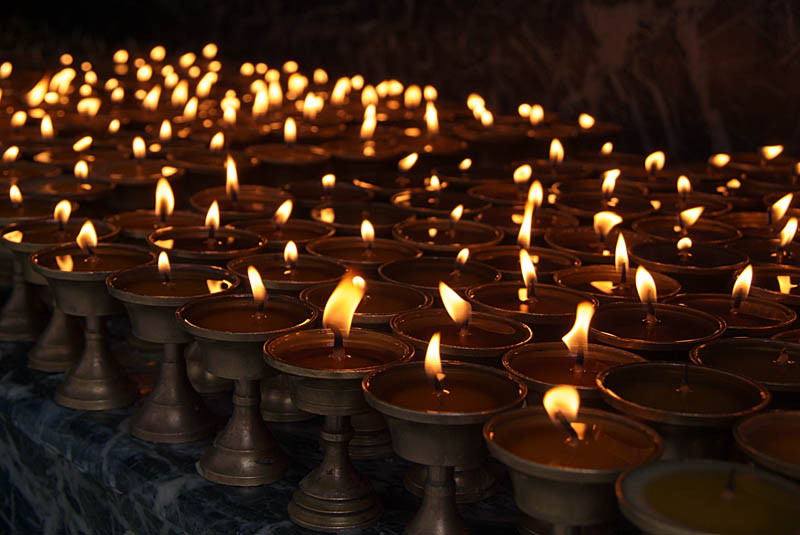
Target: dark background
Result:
[[688, 76]]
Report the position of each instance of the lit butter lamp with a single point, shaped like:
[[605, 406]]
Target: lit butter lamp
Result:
[[768, 161], [685, 197], [563, 462], [612, 283], [769, 440], [407, 176], [467, 173], [592, 244], [135, 179], [434, 200], [231, 330], [363, 254], [780, 249], [698, 268], [764, 224], [235, 201], [584, 204], [76, 187], [310, 193], [435, 147], [545, 308], [136, 225], [705, 496], [691, 406], [425, 274], [15, 207], [366, 152], [446, 235], [777, 283], [519, 191], [283, 162], [172, 412], [772, 363], [380, 303], [652, 329], [608, 182], [205, 167], [510, 218], [687, 224], [58, 347], [465, 336], [505, 258], [346, 217], [572, 361], [490, 141], [435, 411], [76, 274], [743, 315], [13, 170], [281, 228], [207, 244], [325, 367]]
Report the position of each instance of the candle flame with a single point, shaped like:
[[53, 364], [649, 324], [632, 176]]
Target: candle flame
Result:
[[81, 169], [369, 96], [210, 51], [529, 276], [577, 339], [433, 183], [690, 216], [741, 288], [113, 126], [556, 152], [62, 211], [537, 115], [370, 123], [139, 148], [412, 97], [684, 185], [562, 402], [522, 174], [88, 107], [212, 216], [719, 160], [163, 264], [457, 308], [11, 154], [604, 222], [165, 200], [46, 127], [65, 262], [770, 152], [257, 286], [180, 94], [684, 243], [607, 148], [150, 102], [340, 90], [431, 119], [433, 363], [5, 69], [217, 141], [342, 305], [785, 284], [15, 195], [283, 212], [524, 234], [456, 213], [621, 255], [609, 181], [474, 100], [329, 181], [289, 131], [645, 286], [87, 237], [586, 121], [462, 257], [655, 162], [781, 206], [82, 144], [327, 215], [18, 119], [190, 110], [231, 178], [465, 164], [35, 96], [407, 162], [117, 95], [260, 103], [788, 232], [290, 252], [487, 118], [320, 76], [536, 194], [367, 232]]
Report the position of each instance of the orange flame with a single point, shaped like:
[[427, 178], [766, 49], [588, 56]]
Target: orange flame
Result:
[[81, 169], [645, 286], [433, 363], [87, 238], [719, 160], [231, 178], [621, 255], [283, 212], [577, 339], [341, 306], [370, 123], [465, 164], [741, 288], [62, 211], [684, 185], [604, 222], [367, 233], [788, 232], [528, 275], [290, 253], [163, 265], [212, 216], [770, 152], [609, 181], [655, 162], [522, 174], [139, 148], [562, 402], [19, 118], [431, 119], [462, 257], [217, 141], [257, 286], [780, 207], [407, 162], [537, 115], [456, 213], [684, 244], [690, 216], [329, 181], [15, 195], [190, 110], [165, 200], [607, 148], [556, 152], [82, 144], [412, 97], [11, 154], [458, 309], [586, 121], [524, 234], [536, 194], [785, 284], [487, 118], [46, 127]]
